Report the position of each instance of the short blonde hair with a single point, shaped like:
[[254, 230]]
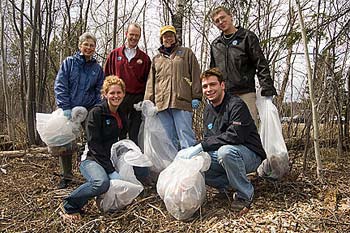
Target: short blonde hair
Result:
[[218, 9], [110, 81]]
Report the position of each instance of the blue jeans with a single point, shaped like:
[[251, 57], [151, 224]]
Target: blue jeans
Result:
[[229, 167], [178, 126], [97, 182]]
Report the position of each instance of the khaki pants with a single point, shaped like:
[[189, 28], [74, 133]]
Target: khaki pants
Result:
[[250, 99]]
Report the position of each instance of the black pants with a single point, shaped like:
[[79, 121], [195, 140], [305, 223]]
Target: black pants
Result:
[[133, 117]]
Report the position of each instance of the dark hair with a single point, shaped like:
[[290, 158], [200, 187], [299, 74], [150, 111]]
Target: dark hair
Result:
[[213, 72]]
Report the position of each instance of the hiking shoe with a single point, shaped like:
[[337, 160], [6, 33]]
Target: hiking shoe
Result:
[[239, 204], [63, 183]]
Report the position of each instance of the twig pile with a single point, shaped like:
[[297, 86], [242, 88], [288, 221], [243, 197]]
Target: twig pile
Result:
[[30, 202]]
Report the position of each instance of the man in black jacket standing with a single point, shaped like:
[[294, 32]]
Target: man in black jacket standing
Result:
[[238, 55], [231, 138]]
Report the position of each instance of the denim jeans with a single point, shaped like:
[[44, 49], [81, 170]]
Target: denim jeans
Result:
[[178, 125], [229, 167], [97, 182]]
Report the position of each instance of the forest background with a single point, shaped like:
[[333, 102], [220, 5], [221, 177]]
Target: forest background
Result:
[[36, 35]]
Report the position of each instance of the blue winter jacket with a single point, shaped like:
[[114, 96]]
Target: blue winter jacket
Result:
[[78, 83]]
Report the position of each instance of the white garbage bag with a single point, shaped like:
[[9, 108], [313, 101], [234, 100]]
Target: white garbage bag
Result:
[[56, 130], [120, 194], [182, 186], [277, 163], [124, 155], [156, 143]]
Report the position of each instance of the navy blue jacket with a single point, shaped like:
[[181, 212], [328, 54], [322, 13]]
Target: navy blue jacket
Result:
[[230, 124], [78, 83]]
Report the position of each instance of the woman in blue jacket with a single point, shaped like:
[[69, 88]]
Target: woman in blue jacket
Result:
[[104, 125], [78, 83]]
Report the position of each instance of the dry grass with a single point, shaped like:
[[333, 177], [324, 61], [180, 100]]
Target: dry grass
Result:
[[30, 203]]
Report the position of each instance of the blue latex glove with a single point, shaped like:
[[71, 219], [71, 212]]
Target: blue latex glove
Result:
[[195, 103], [190, 151], [114, 176], [269, 98], [68, 113]]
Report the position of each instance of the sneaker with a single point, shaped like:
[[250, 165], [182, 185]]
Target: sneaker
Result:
[[63, 183], [239, 204]]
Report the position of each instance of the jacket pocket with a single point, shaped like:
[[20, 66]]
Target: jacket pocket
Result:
[[184, 90]]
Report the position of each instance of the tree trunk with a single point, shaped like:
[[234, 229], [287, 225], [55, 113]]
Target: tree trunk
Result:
[[177, 19], [8, 114], [312, 98], [30, 105], [115, 24]]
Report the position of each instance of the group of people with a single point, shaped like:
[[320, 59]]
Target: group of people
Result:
[[174, 83]]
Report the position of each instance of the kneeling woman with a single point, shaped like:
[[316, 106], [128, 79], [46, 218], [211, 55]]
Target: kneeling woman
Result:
[[104, 124]]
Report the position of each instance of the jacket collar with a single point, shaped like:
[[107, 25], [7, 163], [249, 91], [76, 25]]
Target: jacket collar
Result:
[[81, 58], [214, 109], [164, 51], [239, 34]]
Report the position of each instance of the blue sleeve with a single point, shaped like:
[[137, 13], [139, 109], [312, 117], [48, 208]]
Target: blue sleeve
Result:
[[100, 80], [62, 88]]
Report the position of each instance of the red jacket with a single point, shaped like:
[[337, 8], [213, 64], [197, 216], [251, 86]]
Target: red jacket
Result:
[[134, 73]]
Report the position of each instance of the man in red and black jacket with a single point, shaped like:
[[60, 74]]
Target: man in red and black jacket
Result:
[[132, 65]]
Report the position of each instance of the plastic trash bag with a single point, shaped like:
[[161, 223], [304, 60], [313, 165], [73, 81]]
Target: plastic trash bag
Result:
[[79, 115], [277, 163], [156, 144], [182, 186], [124, 155], [56, 130], [120, 194]]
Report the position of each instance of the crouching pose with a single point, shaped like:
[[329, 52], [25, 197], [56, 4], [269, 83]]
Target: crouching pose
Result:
[[104, 124], [231, 138]]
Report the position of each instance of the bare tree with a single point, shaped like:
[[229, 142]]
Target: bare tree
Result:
[[8, 114], [311, 91]]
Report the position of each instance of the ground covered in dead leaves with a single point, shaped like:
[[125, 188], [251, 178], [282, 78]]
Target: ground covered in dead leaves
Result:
[[30, 203]]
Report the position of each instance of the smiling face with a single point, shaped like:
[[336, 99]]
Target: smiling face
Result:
[[224, 22], [213, 90], [133, 36], [87, 48], [114, 97], [168, 39]]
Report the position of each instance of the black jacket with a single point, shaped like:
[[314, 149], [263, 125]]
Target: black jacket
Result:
[[102, 132], [230, 124], [240, 60]]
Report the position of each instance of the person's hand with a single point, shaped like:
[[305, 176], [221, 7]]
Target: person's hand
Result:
[[68, 113], [195, 103], [269, 97], [114, 176], [190, 152]]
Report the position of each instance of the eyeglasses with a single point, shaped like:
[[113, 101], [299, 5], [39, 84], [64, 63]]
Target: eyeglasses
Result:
[[87, 45]]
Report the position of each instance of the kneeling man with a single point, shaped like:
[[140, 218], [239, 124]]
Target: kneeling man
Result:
[[231, 138]]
